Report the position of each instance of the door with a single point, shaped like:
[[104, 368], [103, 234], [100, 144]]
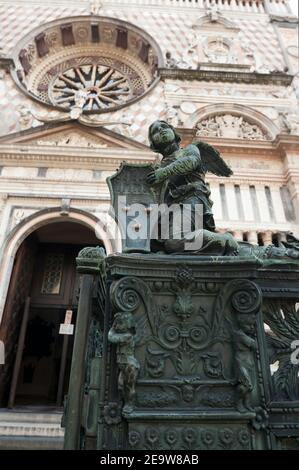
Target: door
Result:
[[45, 352], [18, 292]]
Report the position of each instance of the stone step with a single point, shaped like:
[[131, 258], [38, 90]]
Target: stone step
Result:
[[30, 416], [30, 429], [30, 443]]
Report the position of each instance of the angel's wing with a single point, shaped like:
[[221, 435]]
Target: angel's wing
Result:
[[212, 161]]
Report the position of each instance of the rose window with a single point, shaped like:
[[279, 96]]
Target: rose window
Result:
[[91, 87], [96, 64]]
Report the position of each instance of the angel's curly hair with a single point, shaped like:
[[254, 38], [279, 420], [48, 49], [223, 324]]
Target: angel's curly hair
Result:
[[154, 147]]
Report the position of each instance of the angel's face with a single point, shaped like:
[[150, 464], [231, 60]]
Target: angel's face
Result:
[[187, 393], [161, 134], [247, 323]]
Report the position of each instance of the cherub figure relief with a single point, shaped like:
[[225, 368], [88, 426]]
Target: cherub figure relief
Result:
[[122, 334], [244, 342]]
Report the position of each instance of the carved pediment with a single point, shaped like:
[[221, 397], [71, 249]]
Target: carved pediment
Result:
[[71, 139], [71, 135]]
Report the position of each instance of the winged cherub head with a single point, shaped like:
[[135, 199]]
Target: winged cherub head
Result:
[[161, 135]]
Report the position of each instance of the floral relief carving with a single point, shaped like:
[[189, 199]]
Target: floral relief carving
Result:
[[230, 126], [189, 437]]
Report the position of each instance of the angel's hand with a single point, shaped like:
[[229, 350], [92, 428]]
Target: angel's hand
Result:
[[155, 177], [151, 178], [126, 337]]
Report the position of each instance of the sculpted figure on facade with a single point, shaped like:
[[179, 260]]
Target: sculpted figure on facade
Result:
[[172, 115], [171, 62], [26, 118], [95, 7]]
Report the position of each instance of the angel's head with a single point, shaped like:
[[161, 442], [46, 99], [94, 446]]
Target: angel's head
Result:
[[161, 135], [187, 393], [123, 322]]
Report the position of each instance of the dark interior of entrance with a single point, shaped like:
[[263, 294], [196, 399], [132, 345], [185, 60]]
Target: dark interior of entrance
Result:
[[43, 294]]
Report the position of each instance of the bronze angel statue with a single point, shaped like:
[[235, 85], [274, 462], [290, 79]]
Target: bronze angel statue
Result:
[[181, 180], [182, 177]]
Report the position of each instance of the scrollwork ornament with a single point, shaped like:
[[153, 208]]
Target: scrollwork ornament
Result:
[[198, 336], [129, 298], [124, 296], [172, 336], [247, 297]]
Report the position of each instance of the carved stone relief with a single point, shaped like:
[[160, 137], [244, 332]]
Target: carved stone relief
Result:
[[219, 49], [19, 215], [172, 116], [230, 126], [26, 118], [72, 140]]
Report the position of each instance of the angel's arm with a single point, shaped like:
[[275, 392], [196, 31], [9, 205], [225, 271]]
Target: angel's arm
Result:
[[184, 165], [119, 338]]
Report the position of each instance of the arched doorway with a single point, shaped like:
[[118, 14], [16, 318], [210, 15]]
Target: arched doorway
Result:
[[43, 287]]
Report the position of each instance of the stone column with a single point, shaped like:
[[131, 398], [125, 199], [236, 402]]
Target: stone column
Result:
[[231, 201], [277, 204], [262, 203], [215, 196], [267, 237], [294, 191], [291, 164], [252, 237], [3, 198], [246, 202]]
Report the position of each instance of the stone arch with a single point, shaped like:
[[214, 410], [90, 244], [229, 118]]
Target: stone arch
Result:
[[37, 220], [250, 114]]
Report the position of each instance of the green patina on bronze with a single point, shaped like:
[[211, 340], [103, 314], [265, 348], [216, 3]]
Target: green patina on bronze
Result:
[[171, 352]]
